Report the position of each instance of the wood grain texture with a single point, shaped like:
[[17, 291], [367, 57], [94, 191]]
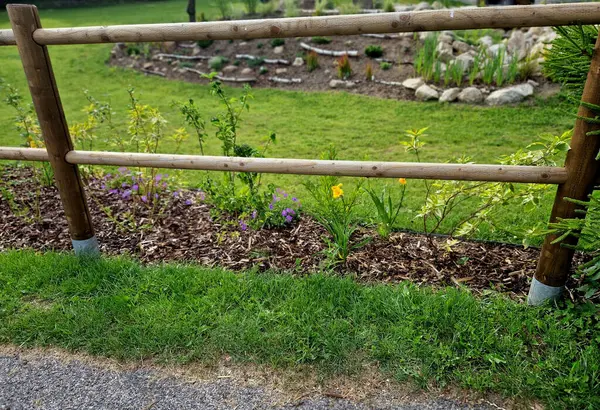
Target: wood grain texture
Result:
[[46, 100], [430, 20], [7, 38], [465, 172], [24, 154], [582, 170]]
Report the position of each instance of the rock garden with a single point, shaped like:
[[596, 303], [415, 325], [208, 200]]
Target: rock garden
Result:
[[492, 67]]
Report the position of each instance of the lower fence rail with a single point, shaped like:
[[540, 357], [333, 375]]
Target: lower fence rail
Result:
[[369, 169]]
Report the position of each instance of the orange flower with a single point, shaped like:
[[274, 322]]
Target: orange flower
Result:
[[337, 191], [402, 181]]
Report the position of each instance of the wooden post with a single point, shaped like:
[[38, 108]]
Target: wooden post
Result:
[[582, 170], [44, 92]]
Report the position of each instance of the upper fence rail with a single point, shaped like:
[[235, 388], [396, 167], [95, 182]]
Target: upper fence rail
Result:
[[429, 20]]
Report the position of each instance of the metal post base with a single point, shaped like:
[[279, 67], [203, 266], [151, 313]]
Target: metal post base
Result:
[[86, 247], [540, 293]]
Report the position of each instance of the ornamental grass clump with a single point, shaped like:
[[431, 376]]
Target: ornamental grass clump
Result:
[[344, 69], [312, 61], [388, 208]]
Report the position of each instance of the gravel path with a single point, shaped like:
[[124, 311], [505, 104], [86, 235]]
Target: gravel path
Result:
[[53, 383]]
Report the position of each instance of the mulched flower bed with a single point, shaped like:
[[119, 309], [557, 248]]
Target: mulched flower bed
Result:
[[186, 232]]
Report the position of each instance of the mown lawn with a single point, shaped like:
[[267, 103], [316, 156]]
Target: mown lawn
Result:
[[176, 313], [306, 123]]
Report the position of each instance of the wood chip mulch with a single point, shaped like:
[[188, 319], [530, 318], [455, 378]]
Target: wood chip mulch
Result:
[[188, 233]]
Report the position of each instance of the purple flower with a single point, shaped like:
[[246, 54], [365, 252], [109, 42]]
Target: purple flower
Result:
[[155, 196], [103, 186], [254, 214], [107, 176], [188, 202], [164, 185], [289, 218], [135, 187], [124, 185], [275, 198], [176, 194], [284, 212], [122, 170], [243, 225], [144, 198], [290, 211], [294, 199], [271, 206], [113, 191], [202, 196], [158, 177], [126, 194]]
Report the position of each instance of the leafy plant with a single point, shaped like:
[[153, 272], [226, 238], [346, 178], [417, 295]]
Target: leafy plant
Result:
[[320, 6], [373, 51], [475, 69], [320, 40], [291, 8], [193, 117], [344, 69], [387, 211], [384, 65], [388, 6], [250, 6], [347, 7], [224, 7], [312, 61], [336, 213], [513, 70], [276, 42]]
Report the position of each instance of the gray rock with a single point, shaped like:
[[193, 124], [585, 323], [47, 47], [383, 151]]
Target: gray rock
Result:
[[466, 61], [413, 83], [229, 69], [533, 83], [422, 6], [298, 62], [196, 51], [403, 7], [148, 66], [437, 5], [281, 71], [470, 95], [510, 95], [247, 71], [278, 50], [450, 95], [426, 93], [486, 41], [496, 48], [516, 44], [445, 53], [445, 38], [461, 47], [341, 84]]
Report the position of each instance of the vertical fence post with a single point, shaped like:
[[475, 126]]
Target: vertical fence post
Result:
[[46, 100], [582, 170]]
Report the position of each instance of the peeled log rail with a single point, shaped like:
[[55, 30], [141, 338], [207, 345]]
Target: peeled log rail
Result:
[[264, 60], [180, 57], [461, 172], [221, 78], [428, 20], [350, 53], [24, 154]]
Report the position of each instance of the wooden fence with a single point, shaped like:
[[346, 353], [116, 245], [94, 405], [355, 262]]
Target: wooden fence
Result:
[[575, 180]]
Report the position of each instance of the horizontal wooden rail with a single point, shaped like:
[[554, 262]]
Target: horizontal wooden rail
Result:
[[429, 20], [372, 169]]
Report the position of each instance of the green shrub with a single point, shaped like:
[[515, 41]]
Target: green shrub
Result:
[[374, 51], [224, 7], [217, 62], [205, 43], [384, 65], [291, 8], [250, 6], [320, 40], [568, 61], [276, 42], [388, 6]]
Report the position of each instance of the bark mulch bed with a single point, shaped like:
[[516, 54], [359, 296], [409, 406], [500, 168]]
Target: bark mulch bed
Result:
[[188, 233]]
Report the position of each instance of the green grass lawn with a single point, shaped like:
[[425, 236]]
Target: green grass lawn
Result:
[[173, 313], [306, 123]]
